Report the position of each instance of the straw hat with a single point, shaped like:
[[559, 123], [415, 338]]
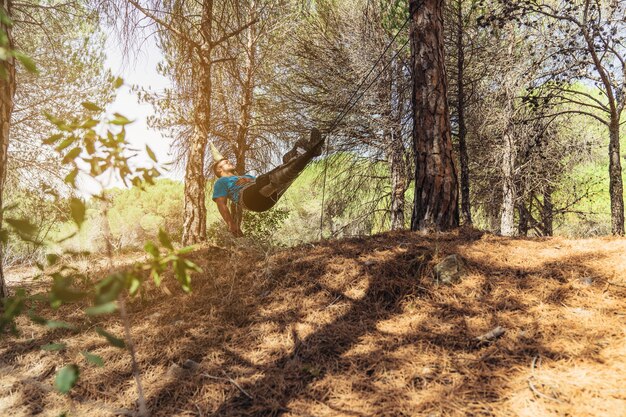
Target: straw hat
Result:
[[217, 156]]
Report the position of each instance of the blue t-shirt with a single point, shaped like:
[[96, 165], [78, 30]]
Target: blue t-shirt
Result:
[[226, 187]]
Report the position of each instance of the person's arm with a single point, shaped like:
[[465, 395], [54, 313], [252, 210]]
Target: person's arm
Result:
[[222, 206]]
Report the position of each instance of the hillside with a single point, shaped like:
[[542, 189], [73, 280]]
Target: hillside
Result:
[[357, 327]]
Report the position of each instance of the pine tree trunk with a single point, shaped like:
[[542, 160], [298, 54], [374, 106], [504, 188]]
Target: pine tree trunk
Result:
[[547, 212], [524, 217], [436, 183], [397, 166], [507, 217], [397, 162], [466, 213], [7, 92], [194, 223], [616, 187], [245, 117]]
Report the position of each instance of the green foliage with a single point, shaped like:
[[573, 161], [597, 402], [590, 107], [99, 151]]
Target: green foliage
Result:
[[7, 52], [98, 146], [93, 359], [137, 215], [66, 378], [263, 226]]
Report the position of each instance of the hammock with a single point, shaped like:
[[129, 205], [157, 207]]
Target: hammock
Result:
[[266, 190]]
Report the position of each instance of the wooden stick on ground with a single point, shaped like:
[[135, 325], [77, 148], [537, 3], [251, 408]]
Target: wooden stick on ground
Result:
[[532, 386], [229, 379]]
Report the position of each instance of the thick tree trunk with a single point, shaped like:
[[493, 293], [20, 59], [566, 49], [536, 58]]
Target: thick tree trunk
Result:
[[194, 223], [466, 214], [507, 216], [616, 188], [7, 92], [436, 183], [547, 212]]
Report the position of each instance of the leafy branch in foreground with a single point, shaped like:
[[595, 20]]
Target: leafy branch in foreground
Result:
[[95, 146]]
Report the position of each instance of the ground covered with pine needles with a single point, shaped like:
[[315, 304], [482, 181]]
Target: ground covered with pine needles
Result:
[[356, 327]]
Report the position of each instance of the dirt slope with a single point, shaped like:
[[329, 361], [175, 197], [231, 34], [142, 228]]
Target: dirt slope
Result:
[[358, 328]]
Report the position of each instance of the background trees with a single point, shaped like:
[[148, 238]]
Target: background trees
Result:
[[586, 44], [258, 75]]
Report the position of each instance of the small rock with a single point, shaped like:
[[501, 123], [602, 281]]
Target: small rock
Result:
[[586, 280], [175, 371], [191, 365], [450, 270]]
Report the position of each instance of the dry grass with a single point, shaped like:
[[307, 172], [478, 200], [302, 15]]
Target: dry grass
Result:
[[358, 328]]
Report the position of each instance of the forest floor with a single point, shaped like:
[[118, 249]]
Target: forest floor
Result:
[[355, 327]]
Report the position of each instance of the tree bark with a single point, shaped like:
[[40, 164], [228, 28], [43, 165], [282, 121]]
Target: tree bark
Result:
[[436, 183], [524, 217], [396, 151], [547, 212], [466, 214], [397, 166], [7, 92], [507, 216], [194, 223], [245, 116], [616, 187]]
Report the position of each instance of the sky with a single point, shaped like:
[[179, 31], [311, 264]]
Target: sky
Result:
[[138, 69]]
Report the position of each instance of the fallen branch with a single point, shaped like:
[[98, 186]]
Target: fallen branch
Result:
[[491, 335], [228, 379], [532, 386]]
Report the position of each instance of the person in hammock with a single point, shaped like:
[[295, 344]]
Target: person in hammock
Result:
[[260, 193]]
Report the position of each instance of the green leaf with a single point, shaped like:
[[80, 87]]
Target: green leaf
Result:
[[186, 249], [182, 275], [93, 359], [109, 288], [28, 63], [66, 378], [62, 289], [192, 265], [151, 249], [91, 106], [78, 210], [56, 324], [5, 19], [165, 240], [120, 120], [71, 177], [114, 341], [106, 308], [36, 319], [51, 347], [23, 227], [71, 155], [118, 82], [151, 153], [134, 285], [66, 143], [52, 139], [89, 123], [52, 258], [157, 278]]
